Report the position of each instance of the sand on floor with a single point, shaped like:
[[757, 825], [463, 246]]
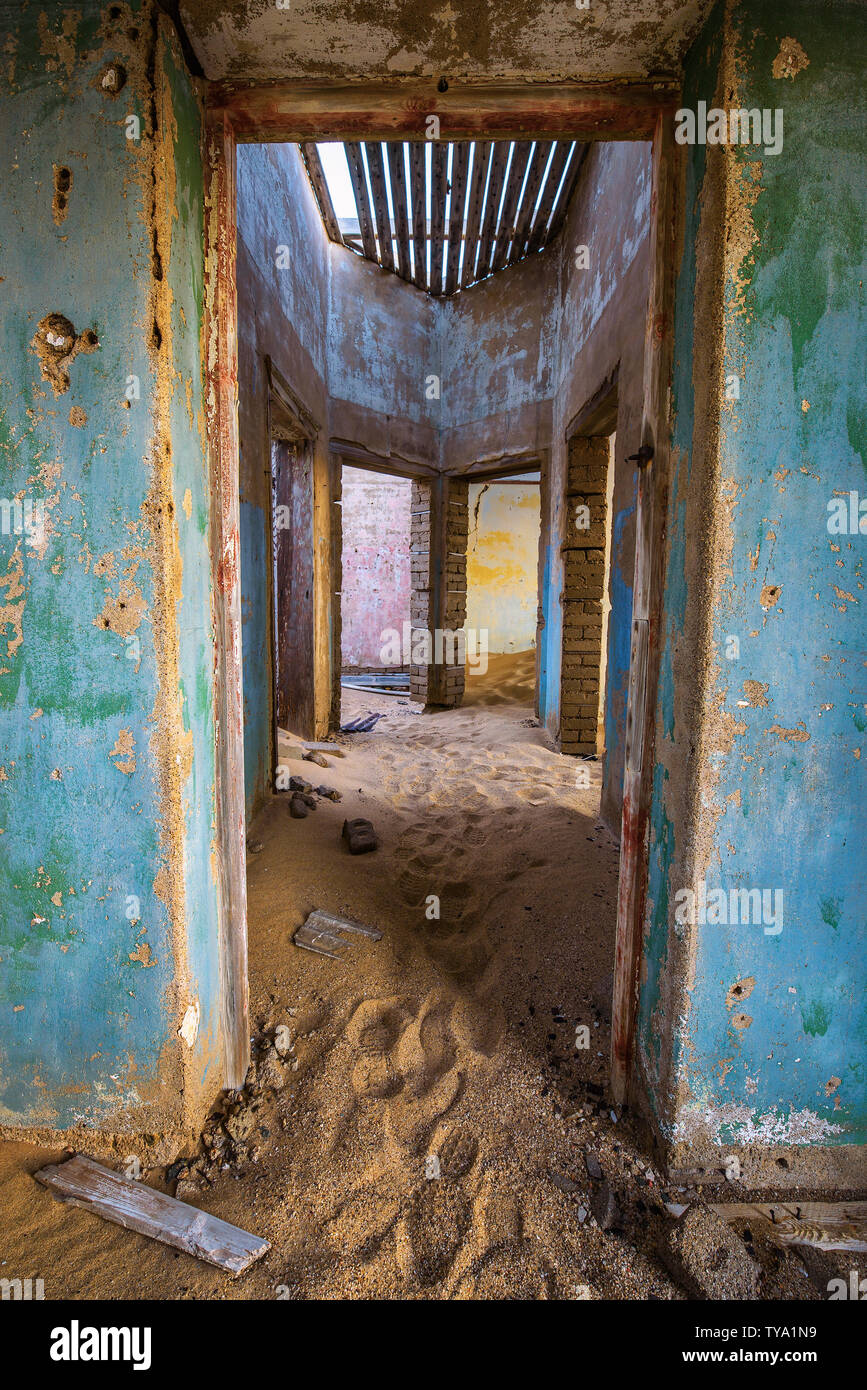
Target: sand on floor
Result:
[[418, 1116]]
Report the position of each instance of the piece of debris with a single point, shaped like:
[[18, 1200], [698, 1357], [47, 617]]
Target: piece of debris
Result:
[[315, 757], [300, 784], [331, 793], [362, 725], [298, 806], [321, 933], [255, 846], [708, 1258], [333, 748], [592, 1164], [732, 1168], [822, 1225], [603, 1205], [565, 1184], [83, 1183], [360, 836]]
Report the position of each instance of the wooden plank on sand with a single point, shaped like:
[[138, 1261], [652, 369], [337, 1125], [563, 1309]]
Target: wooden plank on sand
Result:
[[83, 1183]]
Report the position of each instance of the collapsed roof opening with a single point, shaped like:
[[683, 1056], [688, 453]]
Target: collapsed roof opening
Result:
[[444, 215]]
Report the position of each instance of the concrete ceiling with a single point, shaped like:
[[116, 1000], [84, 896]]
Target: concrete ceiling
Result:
[[271, 40]]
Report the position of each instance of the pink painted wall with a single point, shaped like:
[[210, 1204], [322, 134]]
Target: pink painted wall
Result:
[[376, 577]]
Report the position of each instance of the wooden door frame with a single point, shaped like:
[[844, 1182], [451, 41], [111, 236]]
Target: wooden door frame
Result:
[[294, 112]]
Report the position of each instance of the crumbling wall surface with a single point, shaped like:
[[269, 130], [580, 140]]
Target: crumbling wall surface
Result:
[[498, 348], [282, 278], [752, 1022], [384, 361], [604, 282], [109, 1013], [376, 585], [521, 40]]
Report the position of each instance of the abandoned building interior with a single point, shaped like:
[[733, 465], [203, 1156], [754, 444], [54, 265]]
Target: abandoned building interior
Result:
[[424, 519]]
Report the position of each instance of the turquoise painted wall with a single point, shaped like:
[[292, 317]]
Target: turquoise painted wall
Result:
[[783, 776], [90, 1002]]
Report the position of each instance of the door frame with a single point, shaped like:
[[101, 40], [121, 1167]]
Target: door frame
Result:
[[295, 112]]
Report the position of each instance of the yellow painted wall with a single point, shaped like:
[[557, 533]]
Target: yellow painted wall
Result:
[[502, 559]]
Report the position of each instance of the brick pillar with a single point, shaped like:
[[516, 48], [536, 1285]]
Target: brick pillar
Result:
[[421, 613], [584, 585], [454, 604], [438, 561]]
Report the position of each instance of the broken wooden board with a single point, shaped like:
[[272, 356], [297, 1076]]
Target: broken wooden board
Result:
[[824, 1225], [321, 934], [333, 748], [83, 1183]]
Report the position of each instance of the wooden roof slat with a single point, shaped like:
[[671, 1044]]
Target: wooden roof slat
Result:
[[362, 201], [460, 168], [481, 160], [549, 192], [541, 154], [506, 226], [439, 188], [569, 183], [310, 155], [376, 169], [499, 160], [419, 214], [397, 175]]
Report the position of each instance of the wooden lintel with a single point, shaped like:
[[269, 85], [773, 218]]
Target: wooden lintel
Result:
[[310, 111]]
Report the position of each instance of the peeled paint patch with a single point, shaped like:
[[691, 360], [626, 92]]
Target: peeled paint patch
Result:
[[756, 693], [142, 954], [743, 1126], [12, 614], [797, 735], [124, 613], [790, 60], [189, 1029], [123, 752]]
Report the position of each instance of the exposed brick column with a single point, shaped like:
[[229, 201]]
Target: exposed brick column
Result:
[[438, 563], [584, 584], [421, 612], [454, 606]]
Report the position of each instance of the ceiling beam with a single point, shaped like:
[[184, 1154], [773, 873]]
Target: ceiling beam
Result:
[[460, 166], [531, 192], [499, 160], [566, 192], [419, 215], [506, 226], [536, 238], [475, 203], [310, 155], [362, 201], [397, 174], [439, 188], [291, 111], [376, 169]]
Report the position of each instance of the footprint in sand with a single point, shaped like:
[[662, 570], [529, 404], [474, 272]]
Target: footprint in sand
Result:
[[456, 1149], [432, 1232]]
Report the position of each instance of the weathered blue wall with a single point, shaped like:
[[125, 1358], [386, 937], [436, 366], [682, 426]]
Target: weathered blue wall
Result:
[[750, 1034], [282, 313], [106, 748]]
